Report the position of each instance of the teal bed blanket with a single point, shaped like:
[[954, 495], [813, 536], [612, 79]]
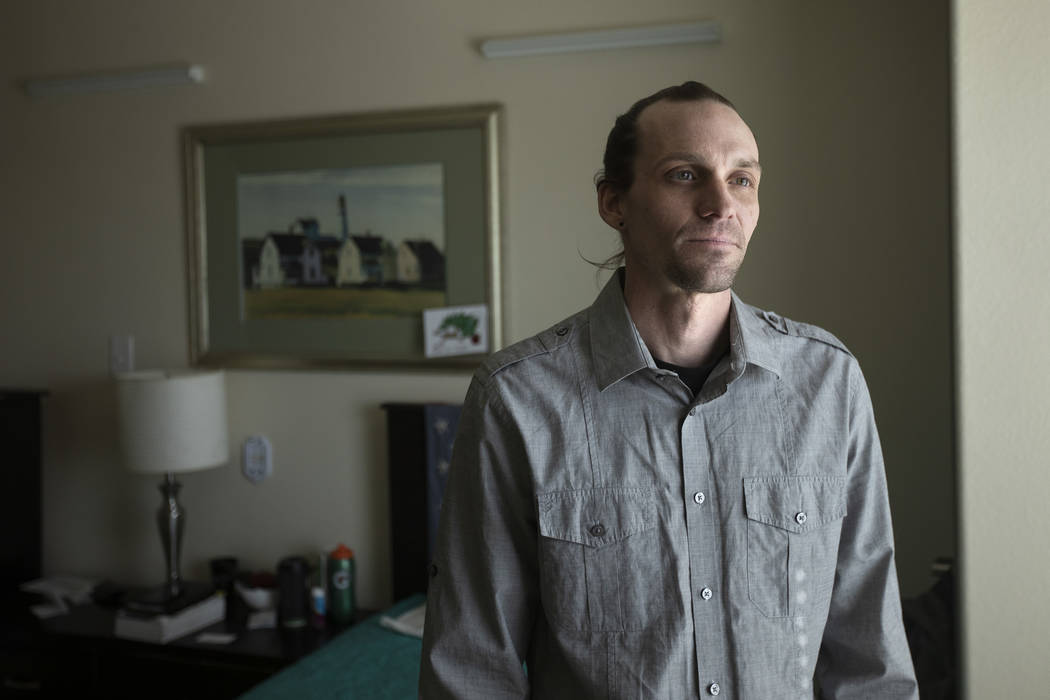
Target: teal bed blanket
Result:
[[366, 662]]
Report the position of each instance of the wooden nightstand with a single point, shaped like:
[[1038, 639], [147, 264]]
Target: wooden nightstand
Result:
[[77, 655]]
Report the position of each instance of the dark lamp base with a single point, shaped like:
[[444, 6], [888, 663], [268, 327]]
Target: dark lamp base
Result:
[[158, 601]]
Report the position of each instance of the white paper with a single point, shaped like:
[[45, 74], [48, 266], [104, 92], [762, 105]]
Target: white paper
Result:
[[456, 330], [409, 623], [59, 591], [46, 610], [262, 620]]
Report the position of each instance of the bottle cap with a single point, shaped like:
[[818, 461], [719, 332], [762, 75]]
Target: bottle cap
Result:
[[342, 552]]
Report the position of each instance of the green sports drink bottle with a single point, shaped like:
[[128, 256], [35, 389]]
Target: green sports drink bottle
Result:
[[341, 585]]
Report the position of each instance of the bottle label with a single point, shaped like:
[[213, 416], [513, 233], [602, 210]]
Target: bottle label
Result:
[[341, 580]]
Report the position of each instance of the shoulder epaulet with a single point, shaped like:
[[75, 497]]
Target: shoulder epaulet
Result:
[[803, 330], [542, 343]]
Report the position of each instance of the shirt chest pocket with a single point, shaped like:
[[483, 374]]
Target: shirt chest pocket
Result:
[[793, 527], [600, 558]]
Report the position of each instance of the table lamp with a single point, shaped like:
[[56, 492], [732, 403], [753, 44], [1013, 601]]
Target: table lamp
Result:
[[171, 422]]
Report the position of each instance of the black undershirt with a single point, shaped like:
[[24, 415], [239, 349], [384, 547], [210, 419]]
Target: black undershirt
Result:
[[692, 377]]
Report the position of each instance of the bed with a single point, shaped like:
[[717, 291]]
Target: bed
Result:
[[367, 661]]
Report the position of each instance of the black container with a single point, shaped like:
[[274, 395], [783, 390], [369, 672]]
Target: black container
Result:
[[293, 593], [223, 574]]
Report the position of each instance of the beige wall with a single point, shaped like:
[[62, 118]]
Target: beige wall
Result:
[[849, 102], [1002, 147]]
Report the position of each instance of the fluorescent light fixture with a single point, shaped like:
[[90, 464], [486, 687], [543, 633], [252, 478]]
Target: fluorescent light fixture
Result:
[[118, 80], [654, 35]]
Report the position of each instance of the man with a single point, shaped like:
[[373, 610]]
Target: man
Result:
[[670, 494]]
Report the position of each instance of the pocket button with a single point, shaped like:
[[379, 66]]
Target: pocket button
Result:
[[800, 518], [597, 530]]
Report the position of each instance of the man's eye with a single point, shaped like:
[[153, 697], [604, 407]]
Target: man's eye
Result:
[[682, 175], [743, 181]]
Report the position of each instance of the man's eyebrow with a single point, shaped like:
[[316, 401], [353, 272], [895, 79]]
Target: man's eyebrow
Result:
[[691, 158], [683, 156]]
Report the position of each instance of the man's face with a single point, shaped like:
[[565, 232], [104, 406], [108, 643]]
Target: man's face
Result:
[[690, 212]]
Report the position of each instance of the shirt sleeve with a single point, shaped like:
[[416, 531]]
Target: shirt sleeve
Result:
[[482, 596], [864, 652]]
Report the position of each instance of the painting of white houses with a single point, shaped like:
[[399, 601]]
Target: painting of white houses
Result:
[[357, 242], [419, 262]]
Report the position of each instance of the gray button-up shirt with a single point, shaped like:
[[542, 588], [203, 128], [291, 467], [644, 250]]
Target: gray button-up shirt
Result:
[[625, 539]]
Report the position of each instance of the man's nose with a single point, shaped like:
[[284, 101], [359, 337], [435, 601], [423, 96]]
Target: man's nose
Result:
[[713, 200]]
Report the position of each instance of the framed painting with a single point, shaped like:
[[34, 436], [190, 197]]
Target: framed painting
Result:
[[321, 242]]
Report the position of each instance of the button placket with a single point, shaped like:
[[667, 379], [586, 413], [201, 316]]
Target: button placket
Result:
[[706, 612]]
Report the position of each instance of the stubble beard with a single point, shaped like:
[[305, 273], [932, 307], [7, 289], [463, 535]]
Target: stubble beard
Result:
[[703, 279], [711, 274]]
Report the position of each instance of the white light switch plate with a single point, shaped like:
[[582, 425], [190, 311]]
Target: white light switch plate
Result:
[[121, 353], [258, 458]]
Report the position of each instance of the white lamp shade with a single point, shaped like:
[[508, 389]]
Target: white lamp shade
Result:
[[172, 421]]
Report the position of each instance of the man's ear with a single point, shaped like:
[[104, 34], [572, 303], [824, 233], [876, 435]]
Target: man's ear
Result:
[[610, 205]]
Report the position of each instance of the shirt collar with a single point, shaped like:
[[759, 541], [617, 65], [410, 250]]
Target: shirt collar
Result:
[[618, 350], [751, 337]]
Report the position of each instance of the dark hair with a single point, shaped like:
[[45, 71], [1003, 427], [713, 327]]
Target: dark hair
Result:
[[621, 147]]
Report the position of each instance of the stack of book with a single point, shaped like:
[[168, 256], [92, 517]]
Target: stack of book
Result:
[[161, 628]]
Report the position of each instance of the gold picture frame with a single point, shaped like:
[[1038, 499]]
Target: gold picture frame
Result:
[[266, 292]]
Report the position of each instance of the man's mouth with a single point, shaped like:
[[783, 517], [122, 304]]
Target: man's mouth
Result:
[[711, 237], [715, 241]]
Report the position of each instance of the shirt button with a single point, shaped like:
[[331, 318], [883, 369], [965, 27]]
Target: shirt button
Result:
[[706, 594], [698, 498], [800, 518], [597, 530], [561, 331], [714, 689]]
